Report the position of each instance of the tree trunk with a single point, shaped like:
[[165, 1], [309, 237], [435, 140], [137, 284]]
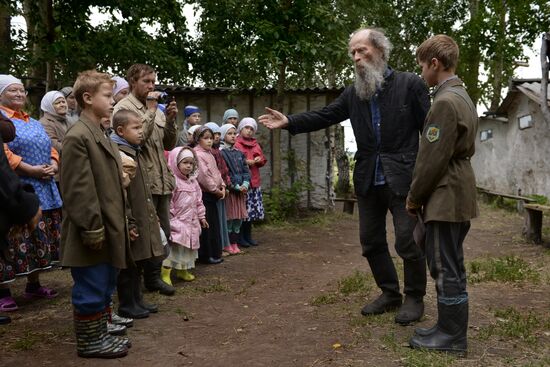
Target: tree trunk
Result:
[[276, 133], [544, 58], [342, 162], [6, 51], [40, 37], [471, 52], [497, 67]]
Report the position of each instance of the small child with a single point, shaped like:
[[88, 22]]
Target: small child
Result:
[[187, 215], [192, 116], [224, 171], [94, 235], [255, 159], [240, 181], [128, 135], [231, 116], [213, 189]]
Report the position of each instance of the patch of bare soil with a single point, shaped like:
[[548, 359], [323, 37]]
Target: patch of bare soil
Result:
[[283, 304]]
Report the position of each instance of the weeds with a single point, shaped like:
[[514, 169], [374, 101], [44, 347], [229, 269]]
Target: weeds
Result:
[[512, 324], [325, 299], [27, 341], [358, 282], [502, 269], [423, 358]]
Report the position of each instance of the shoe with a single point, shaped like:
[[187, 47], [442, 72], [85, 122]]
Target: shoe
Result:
[[7, 304], [246, 230], [165, 275], [127, 281], [451, 331], [185, 275], [384, 303], [242, 242], [92, 339], [5, 320], [119, 320], [152, 278], [410, 311], [116, 329], [138, 297], [214, 260], [230, 249], [236, 249], [110, 337], [41, 292]]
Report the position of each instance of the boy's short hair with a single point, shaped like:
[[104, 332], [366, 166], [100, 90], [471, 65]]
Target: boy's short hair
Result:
[[136, 71], [122, 117], [89, 81], [441, 47]]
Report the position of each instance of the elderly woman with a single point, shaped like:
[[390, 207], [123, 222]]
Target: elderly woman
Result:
[[72, 112], [54, 121], [33, 158], [121, 89]]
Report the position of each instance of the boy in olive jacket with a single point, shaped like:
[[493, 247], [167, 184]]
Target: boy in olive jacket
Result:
[[94, 235], [443, 189]]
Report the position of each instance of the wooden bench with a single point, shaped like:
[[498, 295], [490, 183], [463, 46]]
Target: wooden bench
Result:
[[500, 196], [349, 204], [533, 221]]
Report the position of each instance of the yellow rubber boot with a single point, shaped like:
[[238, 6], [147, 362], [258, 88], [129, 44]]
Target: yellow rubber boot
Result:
[[165, 275], [185, 275]]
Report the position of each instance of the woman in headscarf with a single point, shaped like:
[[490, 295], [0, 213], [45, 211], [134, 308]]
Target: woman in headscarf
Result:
[[54, 120], [33, 158], [72, 113], [121, 89]]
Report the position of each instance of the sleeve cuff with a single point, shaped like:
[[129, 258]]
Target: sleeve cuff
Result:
[[93, 236]]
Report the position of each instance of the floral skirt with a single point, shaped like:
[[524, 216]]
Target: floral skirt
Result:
[[30, 251], [255, 205]]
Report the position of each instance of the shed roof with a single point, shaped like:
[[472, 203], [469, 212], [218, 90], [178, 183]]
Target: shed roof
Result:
[[529, 87], [223, 90]]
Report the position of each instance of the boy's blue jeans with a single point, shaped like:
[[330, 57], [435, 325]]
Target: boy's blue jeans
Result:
[[93, 287]]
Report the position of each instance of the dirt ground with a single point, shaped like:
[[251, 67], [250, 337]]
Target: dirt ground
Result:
[[295, 301]]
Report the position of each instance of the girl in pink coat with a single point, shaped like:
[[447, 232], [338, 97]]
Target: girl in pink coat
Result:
[[187, 215]]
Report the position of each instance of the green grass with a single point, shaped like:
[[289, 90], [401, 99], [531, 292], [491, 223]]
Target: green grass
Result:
[[422, 358], [357, 283], [510, 323], [502, 269], [27, 341], [325, 299]]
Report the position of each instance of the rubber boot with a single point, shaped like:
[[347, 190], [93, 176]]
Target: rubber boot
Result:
[[138, 296], [152, 278], [165, 275], [246, 230], [383, 271], [92, 340], [241, 241], [185, 275], [127, 306], [114, 339], [415, 279], [451, 332]]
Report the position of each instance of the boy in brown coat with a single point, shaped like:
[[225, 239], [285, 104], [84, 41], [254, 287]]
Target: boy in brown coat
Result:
[[443, 189], [94, 235]]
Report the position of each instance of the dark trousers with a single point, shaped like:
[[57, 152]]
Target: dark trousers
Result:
[[446, 260], [93, 287], [373, 209], [162, 205], [211, 245]]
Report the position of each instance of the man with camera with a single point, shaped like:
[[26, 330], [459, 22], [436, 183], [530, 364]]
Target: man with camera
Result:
[[160, 134]]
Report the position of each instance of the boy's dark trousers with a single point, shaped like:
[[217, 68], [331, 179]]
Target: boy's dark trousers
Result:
[[151, 267], [130, 298], [445, 255]]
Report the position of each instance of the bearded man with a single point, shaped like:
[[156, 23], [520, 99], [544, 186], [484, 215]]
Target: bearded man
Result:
[[387, 109]]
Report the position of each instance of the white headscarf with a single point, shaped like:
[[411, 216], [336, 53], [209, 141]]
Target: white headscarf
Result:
[[7, 80], [225, 128], [247, 121], [48, 100], [120, 84]]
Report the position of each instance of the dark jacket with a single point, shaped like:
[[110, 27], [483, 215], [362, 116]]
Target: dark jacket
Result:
[[94, 205], [403, 102], [238, 169], [444, 181], [19, 204], [143, 211]]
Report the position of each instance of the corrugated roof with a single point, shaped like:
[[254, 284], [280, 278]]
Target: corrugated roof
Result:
[[203, 90], [530, 87]]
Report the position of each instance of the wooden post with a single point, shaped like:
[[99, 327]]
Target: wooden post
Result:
[[544, 56], [533, 225]]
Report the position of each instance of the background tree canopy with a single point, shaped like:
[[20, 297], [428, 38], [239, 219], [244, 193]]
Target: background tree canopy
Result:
[[271, 43]]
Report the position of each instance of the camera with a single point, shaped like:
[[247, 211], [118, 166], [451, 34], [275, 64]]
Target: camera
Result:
[[165, 98]]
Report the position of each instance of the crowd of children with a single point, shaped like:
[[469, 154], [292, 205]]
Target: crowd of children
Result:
[[209, 187]]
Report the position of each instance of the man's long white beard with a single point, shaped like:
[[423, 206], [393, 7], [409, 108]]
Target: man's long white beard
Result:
[[369, 77]]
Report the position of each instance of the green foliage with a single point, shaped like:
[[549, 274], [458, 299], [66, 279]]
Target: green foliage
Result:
[[539, 199], [282, 203], [513, 324], [502, 269], [325, 299], [358, 282]]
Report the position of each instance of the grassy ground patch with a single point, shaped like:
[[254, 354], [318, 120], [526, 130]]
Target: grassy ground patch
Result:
[[503, 269], [511, 323]]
